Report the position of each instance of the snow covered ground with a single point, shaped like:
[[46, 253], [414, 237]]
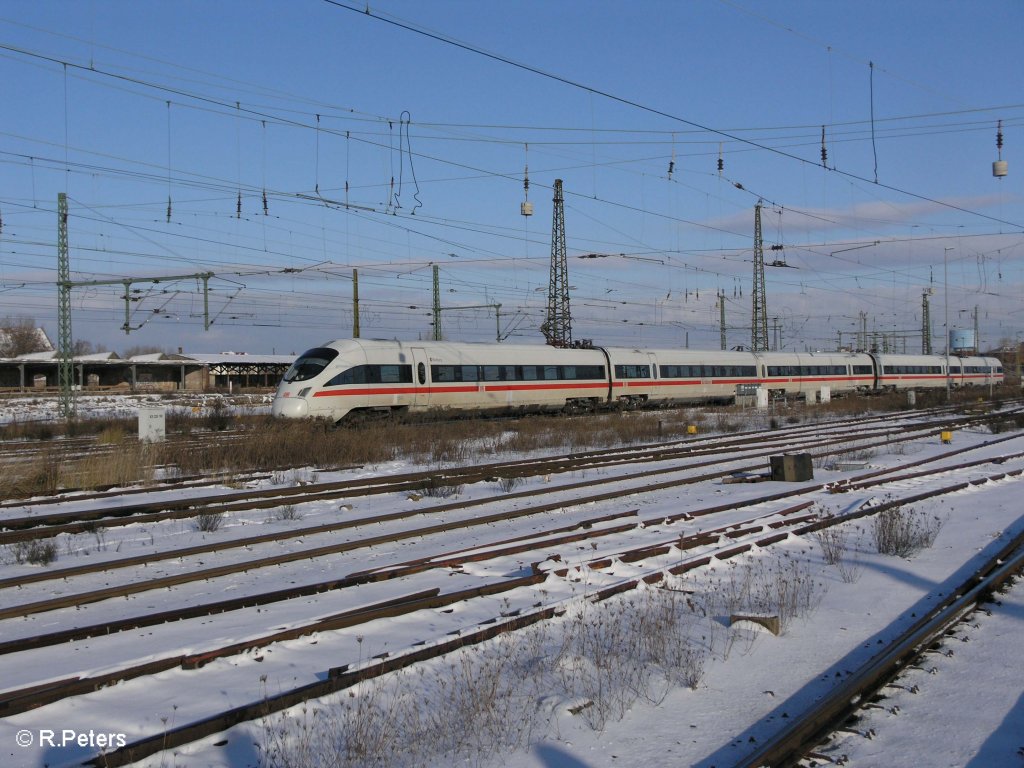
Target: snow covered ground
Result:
[[968, 709], [87, 406]]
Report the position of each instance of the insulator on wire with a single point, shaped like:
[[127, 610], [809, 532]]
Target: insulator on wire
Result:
[[238, 207], [525, 208], [999, 167], [824, 150], [721, 162], [168, 209], [266, 210], [671, 167]]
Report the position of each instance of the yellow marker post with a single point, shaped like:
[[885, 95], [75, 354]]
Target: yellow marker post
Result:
[[947, 437]]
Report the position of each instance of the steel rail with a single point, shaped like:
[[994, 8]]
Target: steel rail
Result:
[[34, 527], [791, 744], [30, 697], [343, 677]]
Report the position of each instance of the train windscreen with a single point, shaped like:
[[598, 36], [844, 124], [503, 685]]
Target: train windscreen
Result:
[[310, 364]]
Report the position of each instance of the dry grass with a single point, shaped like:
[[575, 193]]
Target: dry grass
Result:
[[261, 443], [42, 552], [902, 531], [478, 705]]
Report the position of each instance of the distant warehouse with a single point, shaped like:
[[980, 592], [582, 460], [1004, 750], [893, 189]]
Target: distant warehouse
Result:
[[158, 372]]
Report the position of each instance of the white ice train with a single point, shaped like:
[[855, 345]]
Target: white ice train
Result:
[[354, 375]]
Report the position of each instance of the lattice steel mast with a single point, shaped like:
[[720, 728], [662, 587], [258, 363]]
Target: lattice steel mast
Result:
[[759, 319], [65, 368], [557, 329], [926, 323]]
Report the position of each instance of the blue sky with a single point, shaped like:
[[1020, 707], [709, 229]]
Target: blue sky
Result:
[[397, 140]]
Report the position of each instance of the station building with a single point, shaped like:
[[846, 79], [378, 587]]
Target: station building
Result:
[[158, 372]]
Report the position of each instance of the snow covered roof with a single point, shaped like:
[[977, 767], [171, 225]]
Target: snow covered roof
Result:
[[218, 358], [53, 355], [229, 358]]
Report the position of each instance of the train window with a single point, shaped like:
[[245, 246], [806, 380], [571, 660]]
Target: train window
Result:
[[954, 369], [373, 374], [633, 371], [551, 372], [421, 373], [569, 372], [508, 373], [529, 372], [862, 370], [310, 364], [348, 376], [469, 373], [492, 373], [442, 373], [396, 374]]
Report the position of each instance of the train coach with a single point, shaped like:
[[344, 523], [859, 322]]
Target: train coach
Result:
[[357, 375]]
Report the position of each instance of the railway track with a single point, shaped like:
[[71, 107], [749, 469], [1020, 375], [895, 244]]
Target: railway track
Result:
[[807, 730], [82, 447], [729, 541], [435, 579], [35, 526]]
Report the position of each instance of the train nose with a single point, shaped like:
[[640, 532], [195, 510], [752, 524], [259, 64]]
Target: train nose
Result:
[[290, 407]]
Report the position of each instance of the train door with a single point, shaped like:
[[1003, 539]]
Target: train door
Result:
[[654, 393], [420, 378], [876, 372]]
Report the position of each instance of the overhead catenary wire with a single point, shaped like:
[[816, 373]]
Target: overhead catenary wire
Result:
[[400, 222], [369, 13]]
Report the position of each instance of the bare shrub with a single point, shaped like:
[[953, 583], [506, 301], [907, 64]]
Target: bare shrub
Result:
[[437, 487], [287, 512], [209, 522], [722, 423], [835, 549], [903, 531], [998, 426], [219, 416], [833, 543], [778, 586], [616, 652], [508, 484], [477, 705], [37, 552]]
